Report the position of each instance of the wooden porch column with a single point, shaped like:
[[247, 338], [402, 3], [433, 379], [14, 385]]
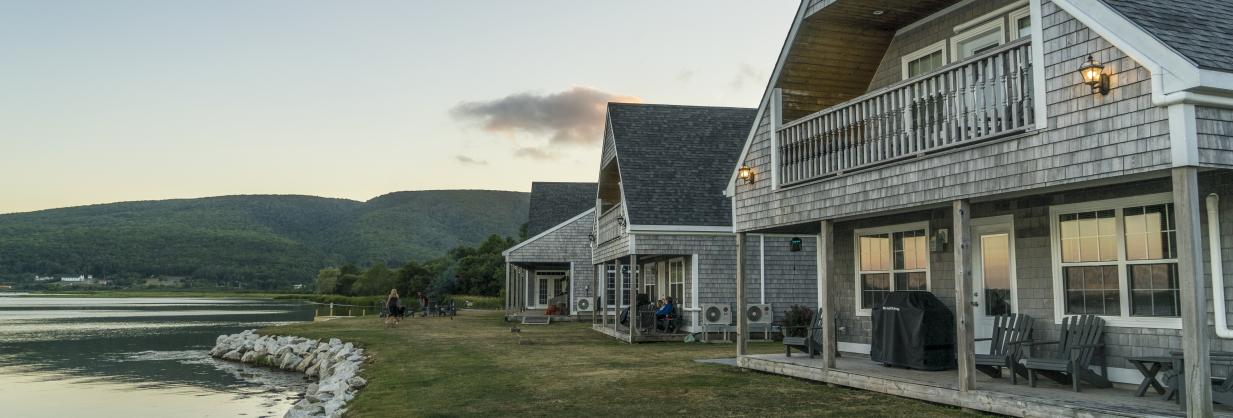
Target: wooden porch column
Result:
[[742, 326], [509, 290], [620, 296], [604, 316], [1193, 292], [633, 297], [826, 257], [964, 327], [595, 302]]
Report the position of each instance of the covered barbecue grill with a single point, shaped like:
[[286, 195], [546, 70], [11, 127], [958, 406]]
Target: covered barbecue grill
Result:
[[913, 330]]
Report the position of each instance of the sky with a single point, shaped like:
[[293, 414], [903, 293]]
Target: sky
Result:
[[138, 100]]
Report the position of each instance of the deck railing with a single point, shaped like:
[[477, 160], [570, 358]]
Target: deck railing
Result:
[[983, 97], [607, 229]]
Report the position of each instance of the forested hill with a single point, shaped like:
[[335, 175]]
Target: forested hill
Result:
[[262, 240]]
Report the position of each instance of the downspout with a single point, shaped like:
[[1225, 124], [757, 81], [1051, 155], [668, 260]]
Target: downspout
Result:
[[1213, 234]]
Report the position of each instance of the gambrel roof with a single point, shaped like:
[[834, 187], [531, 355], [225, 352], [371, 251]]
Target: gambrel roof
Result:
[[1200, 30], [674, 161], [555, 202]]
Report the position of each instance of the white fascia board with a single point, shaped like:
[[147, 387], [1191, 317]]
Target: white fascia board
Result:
[[656, 229], [549, 231], [1178, 73], [766, 94]]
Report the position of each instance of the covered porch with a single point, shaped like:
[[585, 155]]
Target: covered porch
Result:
[[539, 290], [999, 396], [649, 281]]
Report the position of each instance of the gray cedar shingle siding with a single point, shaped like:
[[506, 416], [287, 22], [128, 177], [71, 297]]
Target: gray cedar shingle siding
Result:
[[1088, 137], [554, 202], [675, 160], [1215, 134], [1034, 270], [1200, 30], [568, 244]]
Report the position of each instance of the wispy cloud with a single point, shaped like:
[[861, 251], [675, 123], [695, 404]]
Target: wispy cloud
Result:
[[469, 161], [571, 117], [535, 153], [746, 74]]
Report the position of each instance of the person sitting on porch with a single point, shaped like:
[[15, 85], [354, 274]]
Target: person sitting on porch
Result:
[[665, 310]]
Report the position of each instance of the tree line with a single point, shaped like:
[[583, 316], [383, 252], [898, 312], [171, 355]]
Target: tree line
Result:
[[464, 269]]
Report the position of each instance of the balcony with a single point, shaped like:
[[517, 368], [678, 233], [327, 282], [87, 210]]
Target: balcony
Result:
[[976, 99], [608, 229]]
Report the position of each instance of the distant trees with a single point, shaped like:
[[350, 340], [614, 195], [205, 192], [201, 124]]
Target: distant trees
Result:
[[464, 270]]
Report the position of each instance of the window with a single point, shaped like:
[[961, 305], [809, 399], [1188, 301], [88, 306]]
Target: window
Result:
[[924, 60], [650, 284], [543, 291], [610, 295], [1118, 259], [978, 40], [1020, 23], [625, 284], [676, 279], [891, 259]]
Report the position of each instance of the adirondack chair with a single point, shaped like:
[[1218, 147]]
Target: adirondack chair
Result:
[[810, 344], [1079, 342], [1009, 331]]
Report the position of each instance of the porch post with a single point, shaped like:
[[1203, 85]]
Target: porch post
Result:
[[964, 328], [620, 296], [742, 327], [605, 293], [633, 297], [508, 290], [825, 250], [1193, 292], [595, 302]]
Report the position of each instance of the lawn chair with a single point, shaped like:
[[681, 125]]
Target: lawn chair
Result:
[[1080, 340], [1009, 331], [671, 323], [810, 344]]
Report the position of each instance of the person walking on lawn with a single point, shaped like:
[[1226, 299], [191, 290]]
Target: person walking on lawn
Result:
[[393, 305]]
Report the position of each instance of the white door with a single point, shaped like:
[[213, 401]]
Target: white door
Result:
[[993, 281]]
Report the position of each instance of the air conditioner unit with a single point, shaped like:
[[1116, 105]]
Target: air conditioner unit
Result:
[[716, 314], [759, 314], [584, 304]]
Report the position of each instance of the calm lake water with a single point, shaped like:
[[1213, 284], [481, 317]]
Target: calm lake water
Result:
[[137, 357]]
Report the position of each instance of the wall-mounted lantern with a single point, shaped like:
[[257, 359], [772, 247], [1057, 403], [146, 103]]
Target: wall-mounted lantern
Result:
[[621, 221], [1093, 73], [591, 237], [746, 174], [795, 244]]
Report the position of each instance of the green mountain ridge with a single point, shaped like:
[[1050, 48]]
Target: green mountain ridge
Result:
[[261, 240]]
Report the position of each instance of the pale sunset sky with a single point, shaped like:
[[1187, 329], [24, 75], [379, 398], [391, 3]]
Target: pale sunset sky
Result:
[[107, 101]]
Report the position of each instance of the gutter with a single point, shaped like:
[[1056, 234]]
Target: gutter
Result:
[[1218, 300]]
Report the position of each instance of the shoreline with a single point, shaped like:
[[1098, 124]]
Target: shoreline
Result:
[[334, 364]]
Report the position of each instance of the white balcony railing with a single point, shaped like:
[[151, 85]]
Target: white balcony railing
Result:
[[983, 97]]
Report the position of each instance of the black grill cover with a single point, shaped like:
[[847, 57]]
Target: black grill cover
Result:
[[913, 330]]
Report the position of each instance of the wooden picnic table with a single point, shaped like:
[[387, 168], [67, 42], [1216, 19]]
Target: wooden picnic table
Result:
[[1149, 367]]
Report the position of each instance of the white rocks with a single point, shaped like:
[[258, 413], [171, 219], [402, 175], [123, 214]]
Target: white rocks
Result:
[[335, 364]]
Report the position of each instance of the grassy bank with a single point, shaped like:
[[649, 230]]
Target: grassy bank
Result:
[[473, 366], [163, 294]]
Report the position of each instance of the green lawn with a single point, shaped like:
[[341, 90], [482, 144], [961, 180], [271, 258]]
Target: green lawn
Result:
[[473, 366]]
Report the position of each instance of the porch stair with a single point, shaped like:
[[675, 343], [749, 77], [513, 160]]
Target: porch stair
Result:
[[536, 320]]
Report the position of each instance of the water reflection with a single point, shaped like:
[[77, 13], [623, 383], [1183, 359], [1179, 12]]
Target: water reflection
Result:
[[104, 345]]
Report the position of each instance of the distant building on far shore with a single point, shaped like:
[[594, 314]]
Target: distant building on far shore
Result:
[[165, 281]]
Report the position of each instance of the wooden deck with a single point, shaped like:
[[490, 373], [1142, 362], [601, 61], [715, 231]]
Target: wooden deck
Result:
[[992, 395], [555, 318], [622, 333]]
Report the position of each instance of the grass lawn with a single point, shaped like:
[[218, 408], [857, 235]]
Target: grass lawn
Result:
[[473, 366], [160, 293]]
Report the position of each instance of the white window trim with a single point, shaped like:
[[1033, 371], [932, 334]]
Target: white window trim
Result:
[[552, 276], [999, 23], [1059, 293], [928, 50], [668, 290], [889, 229], [1013, 20]]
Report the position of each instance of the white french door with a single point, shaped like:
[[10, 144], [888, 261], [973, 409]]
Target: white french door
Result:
[[993, 268], [547, 285]]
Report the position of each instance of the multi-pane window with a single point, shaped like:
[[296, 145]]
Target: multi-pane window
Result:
[[610, 276], [676, 280], [926, 63], [543, 291], [1120, 262], [893, 261]]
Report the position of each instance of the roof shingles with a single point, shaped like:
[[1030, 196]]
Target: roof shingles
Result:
[[676, 160], [553, 203], [1200, 30]]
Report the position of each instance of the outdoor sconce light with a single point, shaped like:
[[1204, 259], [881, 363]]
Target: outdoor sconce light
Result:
[[1093, 73], [940, 240], [621, 221], [746, 174], [795, 244], [591, 237]]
